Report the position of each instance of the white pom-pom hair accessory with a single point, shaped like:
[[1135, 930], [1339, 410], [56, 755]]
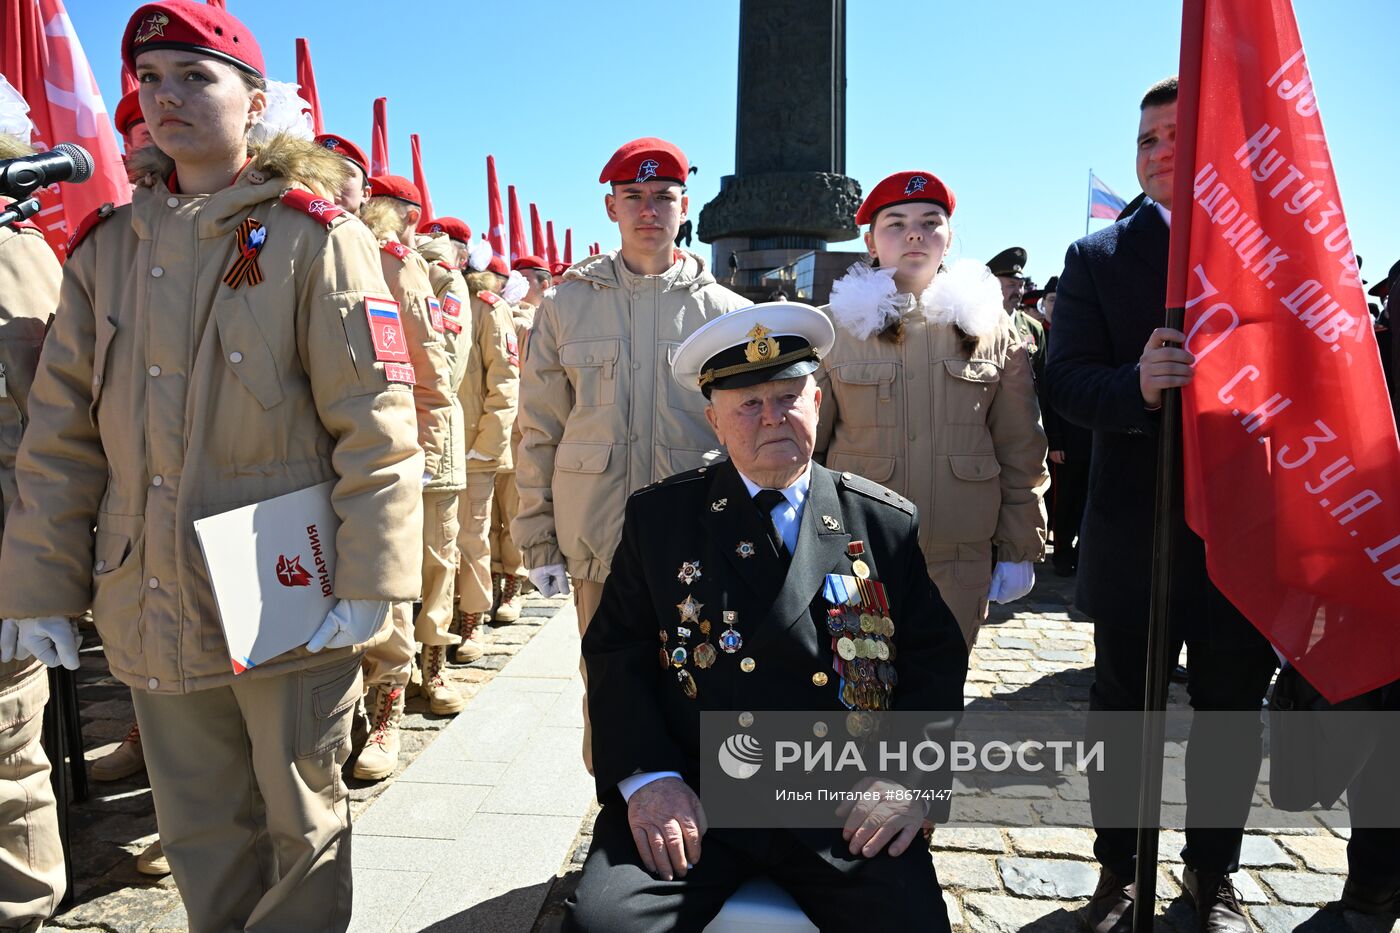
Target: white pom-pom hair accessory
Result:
[[863, 300], [14, 113], [515, 288], [968, 295], [479, 255], [285, 113]]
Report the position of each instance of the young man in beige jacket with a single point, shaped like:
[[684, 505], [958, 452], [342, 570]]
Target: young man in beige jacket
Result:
[[600, 416]]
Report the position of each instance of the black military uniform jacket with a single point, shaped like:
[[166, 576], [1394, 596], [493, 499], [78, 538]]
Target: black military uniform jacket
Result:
[[688, 537]]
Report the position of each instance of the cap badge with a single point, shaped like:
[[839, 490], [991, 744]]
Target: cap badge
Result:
[[437, 228], [647, 169], [761, 347], [329, 143], [916, 183], [153, 25]]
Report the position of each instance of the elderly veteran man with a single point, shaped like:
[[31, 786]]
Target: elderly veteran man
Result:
[[757, 534]]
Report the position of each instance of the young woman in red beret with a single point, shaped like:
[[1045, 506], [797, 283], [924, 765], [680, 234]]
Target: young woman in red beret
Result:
[[929, 392], [212, 350]]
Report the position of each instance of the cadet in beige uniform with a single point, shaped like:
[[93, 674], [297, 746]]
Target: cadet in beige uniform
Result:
[[507, 568], [601, 416], [391, 214], [31, 855], [488, 394], [928, 391], [196, 366]]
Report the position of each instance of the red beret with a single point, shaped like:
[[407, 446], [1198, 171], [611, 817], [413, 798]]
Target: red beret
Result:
[[129, 112], [645, 159], [454, 228], [395, 186], [345, 148], [530, 262], [198, 27], [559, 268], [498, 266], [903, 188]]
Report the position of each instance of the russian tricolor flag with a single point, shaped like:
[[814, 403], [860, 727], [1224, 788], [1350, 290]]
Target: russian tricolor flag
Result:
[[1102, 201]]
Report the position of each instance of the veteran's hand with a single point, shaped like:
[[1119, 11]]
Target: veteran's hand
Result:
[[1162, 366], [895, 820], [667, 822]]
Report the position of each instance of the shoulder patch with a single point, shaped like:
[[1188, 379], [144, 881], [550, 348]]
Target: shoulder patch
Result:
[[448, 267], [689, 476], [88, 224], [397, 250], [490, 297], [313, 205], [874, 490]]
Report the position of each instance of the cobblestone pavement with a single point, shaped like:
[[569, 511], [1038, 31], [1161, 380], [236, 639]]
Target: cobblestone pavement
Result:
[[118, 821], [1037, 653]]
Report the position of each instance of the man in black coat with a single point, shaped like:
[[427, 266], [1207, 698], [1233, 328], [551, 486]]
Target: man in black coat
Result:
[[715, 602], [1110, 361]]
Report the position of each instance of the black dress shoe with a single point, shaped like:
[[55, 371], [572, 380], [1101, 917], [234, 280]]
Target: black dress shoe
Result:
[[1110, 910], [1217, 902], [1368, 900]]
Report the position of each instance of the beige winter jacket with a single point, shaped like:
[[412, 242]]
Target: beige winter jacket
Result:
[[29, 281], [955, 430], [164, 395], [491, 388], [524, 320], [600, 415]]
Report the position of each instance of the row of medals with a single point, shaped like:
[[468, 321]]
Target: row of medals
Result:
[[703, 655], [861, 631]]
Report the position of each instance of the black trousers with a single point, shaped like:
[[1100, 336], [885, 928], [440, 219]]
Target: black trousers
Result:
[[837, 891], [1070, 492], [1228, 671], [1373, 853]]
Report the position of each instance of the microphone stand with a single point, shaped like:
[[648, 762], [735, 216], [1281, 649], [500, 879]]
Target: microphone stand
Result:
[[20, 210]]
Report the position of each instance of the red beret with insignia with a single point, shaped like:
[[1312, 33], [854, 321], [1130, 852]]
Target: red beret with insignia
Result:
[[395, 186], [530, 262], [646, 159], [904, 188], [498, 266], [196, 27], [345, 148], [129, 112], [559, 268], [454, 228]]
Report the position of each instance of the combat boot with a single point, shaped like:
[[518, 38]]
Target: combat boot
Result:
[[471, 626], [511, 599], [443, 698], [123, 761], [380, 755]]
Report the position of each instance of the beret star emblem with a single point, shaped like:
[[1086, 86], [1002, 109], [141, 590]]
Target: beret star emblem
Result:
[[152, 26]]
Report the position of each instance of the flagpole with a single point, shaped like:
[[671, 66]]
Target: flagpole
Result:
[[1169, 484], [1089, 205]]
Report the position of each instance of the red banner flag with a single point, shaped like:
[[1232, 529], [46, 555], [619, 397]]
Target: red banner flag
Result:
[[379, 138], [536, 232], [306, 81], [517, 228], [41, 56], [420, 180], [569, 245], [496, 229], [1291, 455], [218, 3], [551, 250]]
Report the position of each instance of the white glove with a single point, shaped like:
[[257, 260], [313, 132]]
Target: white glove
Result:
[[52, 640], [350, 622], [477, 455], [551, 580], [1011, 581]]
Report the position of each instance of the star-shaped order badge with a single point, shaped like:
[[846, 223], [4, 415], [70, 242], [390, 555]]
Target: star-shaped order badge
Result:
[[745, 549], [690, 609], [690, 572], [249, 237]]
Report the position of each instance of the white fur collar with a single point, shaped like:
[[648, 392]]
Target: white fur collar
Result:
[[865, 301]]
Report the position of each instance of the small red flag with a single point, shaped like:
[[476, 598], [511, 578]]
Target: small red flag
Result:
[[551, 250], [306, 81], [517, 228], [41, 56], [421, 180], [1291, 455], [569, 245], [496, 227], [597, 249], [379, 138], [536, 232]]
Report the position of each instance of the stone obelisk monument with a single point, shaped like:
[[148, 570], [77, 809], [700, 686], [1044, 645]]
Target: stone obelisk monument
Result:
[[789, 194]]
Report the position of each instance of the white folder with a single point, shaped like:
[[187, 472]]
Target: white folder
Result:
[[272, 566]]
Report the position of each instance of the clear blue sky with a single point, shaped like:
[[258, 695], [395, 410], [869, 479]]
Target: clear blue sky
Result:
[[1011, 103]]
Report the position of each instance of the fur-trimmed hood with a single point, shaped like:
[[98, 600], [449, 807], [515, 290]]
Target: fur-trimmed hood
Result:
[[298, 161], [865, 301]]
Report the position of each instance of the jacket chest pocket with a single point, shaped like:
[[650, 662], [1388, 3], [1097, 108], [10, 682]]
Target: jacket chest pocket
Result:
[[246, 351], [865, 393], [592, 368], [971, 386]]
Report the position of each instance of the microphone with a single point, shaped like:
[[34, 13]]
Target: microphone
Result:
[[19, 178]]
